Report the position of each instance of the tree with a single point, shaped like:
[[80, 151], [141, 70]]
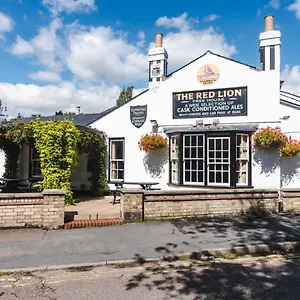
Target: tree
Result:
[[125, 95]]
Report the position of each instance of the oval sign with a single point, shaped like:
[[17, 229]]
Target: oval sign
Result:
[[208, 74]]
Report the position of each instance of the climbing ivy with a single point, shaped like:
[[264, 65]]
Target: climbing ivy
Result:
[[58, 144]]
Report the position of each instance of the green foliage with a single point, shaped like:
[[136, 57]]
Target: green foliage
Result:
[[93, 143], [125, 95], [56, 143]]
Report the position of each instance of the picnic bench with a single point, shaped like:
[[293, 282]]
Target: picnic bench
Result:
[[17, 185], [147, 186]]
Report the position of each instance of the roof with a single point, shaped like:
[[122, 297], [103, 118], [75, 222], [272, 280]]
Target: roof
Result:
[[289, 99], [79, 120]]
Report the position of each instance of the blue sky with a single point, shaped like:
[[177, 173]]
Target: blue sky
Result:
[[58, 53]]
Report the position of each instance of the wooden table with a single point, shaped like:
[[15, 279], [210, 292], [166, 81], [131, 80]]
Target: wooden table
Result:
[[147, 186]]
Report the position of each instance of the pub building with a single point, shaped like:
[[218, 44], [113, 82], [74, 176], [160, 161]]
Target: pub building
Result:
[[208, 109]]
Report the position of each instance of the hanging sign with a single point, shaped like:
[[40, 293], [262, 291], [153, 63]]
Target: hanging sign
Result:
[[210, 103], [208, 74], [138, 115]]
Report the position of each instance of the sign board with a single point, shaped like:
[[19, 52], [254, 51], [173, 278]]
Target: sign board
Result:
[[210, 103], [138, 115], [208, 74]]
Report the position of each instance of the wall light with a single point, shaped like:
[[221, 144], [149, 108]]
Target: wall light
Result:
[[154, 126]]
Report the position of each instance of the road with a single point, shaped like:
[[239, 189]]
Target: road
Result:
[[242, 278]]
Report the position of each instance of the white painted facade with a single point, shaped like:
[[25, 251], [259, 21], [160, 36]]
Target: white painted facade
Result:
[[264, 108]]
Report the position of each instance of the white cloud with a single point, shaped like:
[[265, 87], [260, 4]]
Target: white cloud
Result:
[[274, 4], [211, 18], [291, 77], [295, 7], [45, 76], [99, 52], [69, 6], [22, 47], [202, 40], [6, 24], [180, 22], [46, 47], [141, 37], [46, 100]]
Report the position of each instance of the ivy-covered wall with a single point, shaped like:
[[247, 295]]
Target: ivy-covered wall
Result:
[[58, 144]]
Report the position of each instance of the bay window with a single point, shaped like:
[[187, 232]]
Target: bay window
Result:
[[210, 159]]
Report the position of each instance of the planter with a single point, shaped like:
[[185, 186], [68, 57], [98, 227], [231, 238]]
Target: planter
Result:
[[150, 142], [269, 138], [291, 148]]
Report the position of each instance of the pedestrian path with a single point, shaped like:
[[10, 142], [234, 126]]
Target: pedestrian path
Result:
[[38, 248]]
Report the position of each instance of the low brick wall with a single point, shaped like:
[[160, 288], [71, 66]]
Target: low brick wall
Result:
[[137, 205], [44, 209]]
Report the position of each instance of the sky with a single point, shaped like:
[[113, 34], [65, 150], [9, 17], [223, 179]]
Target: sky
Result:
[[56, 54]]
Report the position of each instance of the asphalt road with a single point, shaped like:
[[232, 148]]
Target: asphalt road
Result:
[[244, 278]]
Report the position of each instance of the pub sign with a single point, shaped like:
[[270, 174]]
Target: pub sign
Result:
[[227, 102], [138, 115]]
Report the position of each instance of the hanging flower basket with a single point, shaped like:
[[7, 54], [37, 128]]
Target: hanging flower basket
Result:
[[152, 141], [291, 148], [269, 137]]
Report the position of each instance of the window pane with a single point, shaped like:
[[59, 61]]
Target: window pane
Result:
[[200, 140], [187, 140], [193, 140], [200, 177], [225, 144], [200, 152], [225, 177], [120, 174], [193, 154], [187, 153], [187, 176], [194, 165], [200, 165], [194, 176], [211, 177], [211, 144], [187, 164], [218, 177]]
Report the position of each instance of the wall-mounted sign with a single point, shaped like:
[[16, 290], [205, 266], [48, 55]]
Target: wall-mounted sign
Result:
[[208, 74], [210, 103], [138, 115]]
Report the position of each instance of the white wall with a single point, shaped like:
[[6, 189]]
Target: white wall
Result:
[[263, 108]]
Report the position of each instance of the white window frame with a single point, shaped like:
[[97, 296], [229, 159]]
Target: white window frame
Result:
[[116, 160], [193, 159], [239, 159], [174, 158], [223, 161], [33, 161]]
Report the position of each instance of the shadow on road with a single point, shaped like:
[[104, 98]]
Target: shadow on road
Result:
[[227, 280], [259, 280]]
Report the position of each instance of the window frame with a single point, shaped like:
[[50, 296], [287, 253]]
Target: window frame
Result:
[[110, 141], [178, 159], [32, 160], [232, 160]]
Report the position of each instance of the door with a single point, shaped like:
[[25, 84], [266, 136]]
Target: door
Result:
[[193, 159], [218, 167]]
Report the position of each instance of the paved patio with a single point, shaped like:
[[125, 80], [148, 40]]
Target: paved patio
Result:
[[93, 208]]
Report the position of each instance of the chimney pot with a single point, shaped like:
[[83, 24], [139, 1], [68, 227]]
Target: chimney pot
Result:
[[269, 23], [158, 40]]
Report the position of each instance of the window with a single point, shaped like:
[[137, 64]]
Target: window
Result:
[[210, 159], [174, 158], [272, 58], [35, 166], [193, 158], [262, 58], [116, 159], [242, 159]]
